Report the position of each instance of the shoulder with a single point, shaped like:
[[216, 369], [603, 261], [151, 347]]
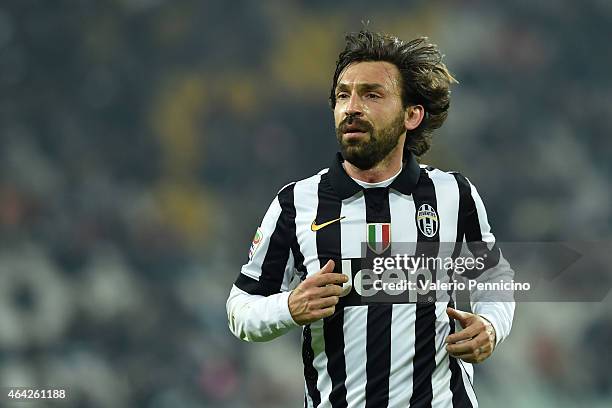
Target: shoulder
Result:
[[448, 176], [308, 183], [451, 178]]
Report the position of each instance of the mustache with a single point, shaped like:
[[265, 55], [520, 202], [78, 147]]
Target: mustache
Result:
[[355, 124]]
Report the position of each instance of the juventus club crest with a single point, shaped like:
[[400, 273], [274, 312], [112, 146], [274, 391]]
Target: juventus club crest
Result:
[[427, 220], [379, 237]]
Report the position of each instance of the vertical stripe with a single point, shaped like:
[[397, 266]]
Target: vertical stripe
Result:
[[352, 226], [319, 362], [298, 257], [425, 330], [328, 247], [355, 328], [470, 217], [306, 203], [386, 237], [467, 371], [468, 228], [355, 317], [284, 234], [403, 315], [372, 234], [310, 373], [447, 385], [457, 386], [378, 346]]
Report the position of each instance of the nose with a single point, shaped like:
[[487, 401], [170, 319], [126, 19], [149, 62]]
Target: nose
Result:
[[353, 106]]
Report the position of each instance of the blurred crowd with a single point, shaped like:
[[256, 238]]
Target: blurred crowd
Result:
[[142, 141]]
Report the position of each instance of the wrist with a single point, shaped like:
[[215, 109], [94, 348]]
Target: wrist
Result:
[[490, 330], [290, 312], [285, 312]]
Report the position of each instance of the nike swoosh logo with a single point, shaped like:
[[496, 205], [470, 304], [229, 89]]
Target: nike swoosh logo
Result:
[[315, 227]]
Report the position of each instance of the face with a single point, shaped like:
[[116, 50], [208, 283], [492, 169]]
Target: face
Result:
[[369, 116]]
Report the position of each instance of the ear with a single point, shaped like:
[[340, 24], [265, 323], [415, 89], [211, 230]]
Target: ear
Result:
[[413, 116]]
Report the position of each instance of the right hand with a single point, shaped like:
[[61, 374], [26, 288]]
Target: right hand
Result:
[[316, 297]]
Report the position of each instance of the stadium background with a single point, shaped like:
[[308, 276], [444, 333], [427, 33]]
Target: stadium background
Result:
[[142, 141]]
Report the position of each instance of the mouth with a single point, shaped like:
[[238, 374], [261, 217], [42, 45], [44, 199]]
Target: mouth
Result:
[[353, 134], [354, 130]]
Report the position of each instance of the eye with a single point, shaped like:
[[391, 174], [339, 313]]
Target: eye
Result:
[[342, 95], [372, 95]]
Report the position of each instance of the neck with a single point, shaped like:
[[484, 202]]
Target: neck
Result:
[[384, 170]]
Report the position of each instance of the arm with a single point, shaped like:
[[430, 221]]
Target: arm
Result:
[[493, 311], [256, 317], [261, 318], [257, 306], [497, 307], [260, 306]]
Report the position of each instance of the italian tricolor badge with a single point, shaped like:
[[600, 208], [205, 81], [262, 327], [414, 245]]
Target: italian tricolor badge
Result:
[[379, 237]]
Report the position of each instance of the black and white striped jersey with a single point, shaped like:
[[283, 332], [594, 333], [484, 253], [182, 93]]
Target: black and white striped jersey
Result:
[[373, 351]]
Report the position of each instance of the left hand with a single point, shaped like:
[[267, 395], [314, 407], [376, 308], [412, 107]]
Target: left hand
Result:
[[475, 342]]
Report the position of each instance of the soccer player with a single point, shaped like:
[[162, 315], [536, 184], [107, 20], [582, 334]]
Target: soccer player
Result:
[[363, 347]]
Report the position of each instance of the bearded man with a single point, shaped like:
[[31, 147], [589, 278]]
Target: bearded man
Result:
[[363, 344]]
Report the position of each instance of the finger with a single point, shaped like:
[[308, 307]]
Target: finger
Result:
[[468, 358], [326, 291], [470, 345], [329, 279], [324, 303], [463, 355], [461, 316], [481, 340], [460, 348], [328, 311], [465, 334], [475, 357], [328, 267], [478, 356], [313, 280], [478, 351]]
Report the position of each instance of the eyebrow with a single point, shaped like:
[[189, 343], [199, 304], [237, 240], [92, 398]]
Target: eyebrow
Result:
[[364, 87]]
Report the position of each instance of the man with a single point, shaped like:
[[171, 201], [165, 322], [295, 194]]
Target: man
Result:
[[364, 346]]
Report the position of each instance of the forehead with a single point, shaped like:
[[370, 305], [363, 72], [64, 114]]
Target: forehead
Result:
[[371, 72]]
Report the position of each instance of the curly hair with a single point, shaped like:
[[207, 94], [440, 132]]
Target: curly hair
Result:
[[425, 80]]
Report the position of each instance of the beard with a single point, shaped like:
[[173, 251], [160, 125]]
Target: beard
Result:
[[365, 154]]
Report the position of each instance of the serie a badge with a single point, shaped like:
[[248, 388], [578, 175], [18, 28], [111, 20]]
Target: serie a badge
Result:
[[255, 244]]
